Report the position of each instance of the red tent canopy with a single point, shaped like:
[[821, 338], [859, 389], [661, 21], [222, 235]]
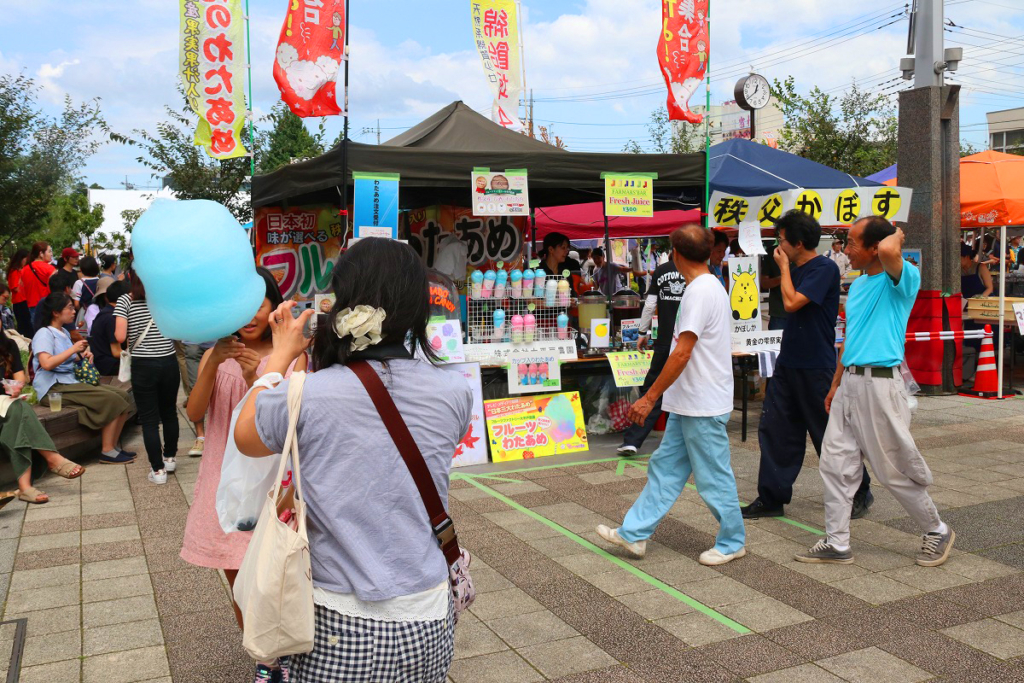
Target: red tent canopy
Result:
[[586, 222]]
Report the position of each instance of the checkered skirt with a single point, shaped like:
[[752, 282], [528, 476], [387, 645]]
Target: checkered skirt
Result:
[[350, 649]]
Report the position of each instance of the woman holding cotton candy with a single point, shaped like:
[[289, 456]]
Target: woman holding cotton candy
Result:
[[226, 373]]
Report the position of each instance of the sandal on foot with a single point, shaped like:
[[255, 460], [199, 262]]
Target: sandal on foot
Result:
[[68, 470], [32, 495]]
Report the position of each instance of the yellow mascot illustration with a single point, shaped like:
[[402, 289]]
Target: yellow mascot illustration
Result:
[[744, 295]]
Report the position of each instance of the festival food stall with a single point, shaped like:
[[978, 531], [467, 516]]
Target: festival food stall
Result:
[[461, 189]]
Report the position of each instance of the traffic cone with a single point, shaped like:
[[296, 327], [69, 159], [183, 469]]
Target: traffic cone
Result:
[[986, 377]]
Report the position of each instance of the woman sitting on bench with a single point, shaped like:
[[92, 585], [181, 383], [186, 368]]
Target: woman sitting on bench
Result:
[[21, 432], [101, 408]]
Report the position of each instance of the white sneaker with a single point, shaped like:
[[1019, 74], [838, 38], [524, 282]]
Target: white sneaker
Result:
[[713, 557], [170, 464], [638, 549], [197, 448], [158, 477], [626, 451]]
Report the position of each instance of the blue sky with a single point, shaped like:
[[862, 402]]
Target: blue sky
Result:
[[591, 63]]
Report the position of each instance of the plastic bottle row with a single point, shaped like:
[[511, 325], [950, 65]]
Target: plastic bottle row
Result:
[[524, 327], [519, 285]]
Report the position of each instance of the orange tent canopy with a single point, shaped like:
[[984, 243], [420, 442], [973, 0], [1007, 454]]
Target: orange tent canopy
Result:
[[991, 190]]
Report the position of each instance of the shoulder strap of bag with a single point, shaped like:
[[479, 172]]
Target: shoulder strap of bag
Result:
[[44, 284], [142, 336], [440, 522]]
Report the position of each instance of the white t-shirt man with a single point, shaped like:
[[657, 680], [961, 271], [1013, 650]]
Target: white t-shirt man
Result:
[[705, 389]]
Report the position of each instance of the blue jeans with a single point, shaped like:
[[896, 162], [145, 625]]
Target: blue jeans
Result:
[[691, 444]]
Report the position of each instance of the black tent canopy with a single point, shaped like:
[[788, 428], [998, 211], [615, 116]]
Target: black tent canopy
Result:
[[436, 157]]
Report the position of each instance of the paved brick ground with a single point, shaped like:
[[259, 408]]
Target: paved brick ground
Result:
[[97, 575]]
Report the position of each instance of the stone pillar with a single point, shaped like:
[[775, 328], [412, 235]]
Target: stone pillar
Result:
[[929, 164]]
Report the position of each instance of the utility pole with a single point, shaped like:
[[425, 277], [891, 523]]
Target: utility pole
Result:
[[929, 162]]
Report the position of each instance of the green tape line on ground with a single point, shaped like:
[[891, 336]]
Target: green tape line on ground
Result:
[[620, 469], [647, 578]]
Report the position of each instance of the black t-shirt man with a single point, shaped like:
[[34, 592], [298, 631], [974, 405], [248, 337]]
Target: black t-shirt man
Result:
[[810, 338], [668, 285]]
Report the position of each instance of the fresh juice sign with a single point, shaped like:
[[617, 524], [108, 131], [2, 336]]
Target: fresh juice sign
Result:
[[629, 194]]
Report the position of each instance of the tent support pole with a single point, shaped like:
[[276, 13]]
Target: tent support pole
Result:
[[1002, 305], [707, 129], [532, 248], [344, 140], [608, 263]]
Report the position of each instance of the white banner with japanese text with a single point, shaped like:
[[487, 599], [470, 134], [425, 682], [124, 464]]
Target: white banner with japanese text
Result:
[[496, 36], [213, 70], [831, 208]]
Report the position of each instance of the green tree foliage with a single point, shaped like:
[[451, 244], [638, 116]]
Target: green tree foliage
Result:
[[40, 156], [170, 152], [855, 132], [668, 137], [70, 220], [286, 140]]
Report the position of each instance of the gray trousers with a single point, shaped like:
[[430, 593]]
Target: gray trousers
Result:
[[870, 420]]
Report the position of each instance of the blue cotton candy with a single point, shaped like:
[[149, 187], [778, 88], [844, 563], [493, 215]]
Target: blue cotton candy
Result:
[[198, 269]]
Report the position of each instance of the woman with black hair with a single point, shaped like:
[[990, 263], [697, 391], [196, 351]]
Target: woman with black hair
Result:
[[226, 373], [19, 301], [7, 321], [377, 567], [101, 408], [108, 264], [155, 378], [555, 259], [21, 432], [106, 350]]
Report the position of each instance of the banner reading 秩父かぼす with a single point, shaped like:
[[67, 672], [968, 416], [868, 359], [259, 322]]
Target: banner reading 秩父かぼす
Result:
[[535, 426], [830, 207], [213, 73]]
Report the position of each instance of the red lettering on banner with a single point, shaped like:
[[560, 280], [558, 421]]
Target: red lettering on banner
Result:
[[225, 78], [223, 141], [218, 16], [218, 48], [499, 55], [220, 111], [496, 24]]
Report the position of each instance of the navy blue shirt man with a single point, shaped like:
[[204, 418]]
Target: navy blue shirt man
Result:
[[794, 405]]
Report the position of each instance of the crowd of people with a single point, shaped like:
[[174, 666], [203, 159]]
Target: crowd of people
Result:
[[379, 576]]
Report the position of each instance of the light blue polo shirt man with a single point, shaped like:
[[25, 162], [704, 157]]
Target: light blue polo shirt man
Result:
[[877, 311]]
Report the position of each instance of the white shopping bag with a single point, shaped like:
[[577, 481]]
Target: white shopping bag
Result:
[[244, 483]]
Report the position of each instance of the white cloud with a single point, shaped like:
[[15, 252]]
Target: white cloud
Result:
[[47, 78]]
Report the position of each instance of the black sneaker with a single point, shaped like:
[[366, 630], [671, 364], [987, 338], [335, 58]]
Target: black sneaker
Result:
[[823, 553], [759, 509], [861, 505]]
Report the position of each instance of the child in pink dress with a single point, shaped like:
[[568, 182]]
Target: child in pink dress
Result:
[[226, 373]]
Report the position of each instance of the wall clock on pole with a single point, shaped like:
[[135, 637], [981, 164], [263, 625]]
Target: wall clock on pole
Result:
[[752, 93]]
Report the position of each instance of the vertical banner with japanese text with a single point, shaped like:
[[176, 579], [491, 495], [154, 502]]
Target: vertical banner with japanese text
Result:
[[535, 426], [683, 54], [496, 37], [629, 194], [376, 204], [213, 70], [299, 246], [309, 55]]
